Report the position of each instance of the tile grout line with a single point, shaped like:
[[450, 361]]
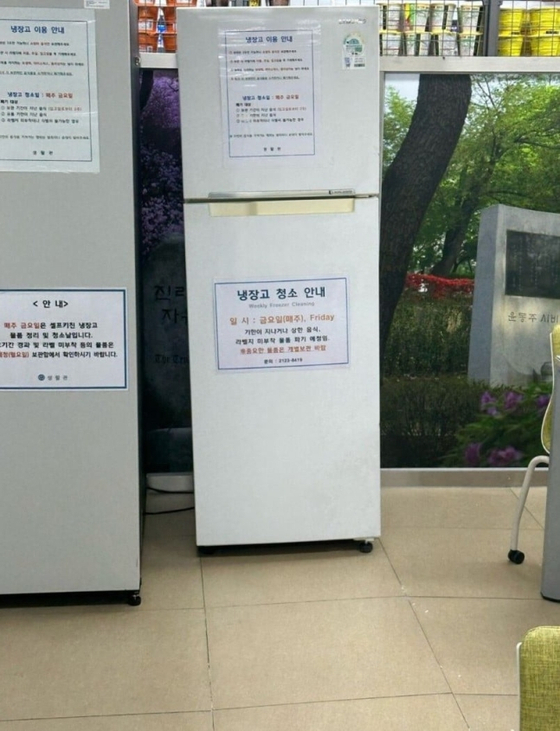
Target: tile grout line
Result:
[[528, 510], [328, 600], [411, 600], [207, 647], [242, 708], [467, 726], [327, 701], [35, 719], [404, 593]]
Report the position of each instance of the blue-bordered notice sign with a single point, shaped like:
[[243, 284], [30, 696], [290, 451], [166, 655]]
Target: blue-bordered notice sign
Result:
[[281, 323], [63, 339]]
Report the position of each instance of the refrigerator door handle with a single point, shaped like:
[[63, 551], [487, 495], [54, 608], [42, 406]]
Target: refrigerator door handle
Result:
[[258, 195], [262, 194], [289, 207]]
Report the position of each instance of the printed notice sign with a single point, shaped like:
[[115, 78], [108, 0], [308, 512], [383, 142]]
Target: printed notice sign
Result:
[[67, 339], [281, 323], [269, 92], [48, 91]]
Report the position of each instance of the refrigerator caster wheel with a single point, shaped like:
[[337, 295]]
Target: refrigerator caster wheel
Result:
[[134, 599], [516, 556], [365, 547], [206, 550]]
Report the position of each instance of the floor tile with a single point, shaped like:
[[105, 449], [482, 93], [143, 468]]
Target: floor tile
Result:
[[59, 665], [171, 574], [440, 507], [165, 524], [469, 563], [429, 713], [490, 712], [314, 651], [302, 638], [536, 503], [474, 640], [302, 573], [152, 722]]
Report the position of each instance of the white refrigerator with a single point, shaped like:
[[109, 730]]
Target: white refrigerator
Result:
[[280, 111], [71, 496]]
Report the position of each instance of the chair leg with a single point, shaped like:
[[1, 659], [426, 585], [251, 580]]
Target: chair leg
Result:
[[514, 555]]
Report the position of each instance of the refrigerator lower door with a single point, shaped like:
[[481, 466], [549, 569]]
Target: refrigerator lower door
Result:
[[285, 423]]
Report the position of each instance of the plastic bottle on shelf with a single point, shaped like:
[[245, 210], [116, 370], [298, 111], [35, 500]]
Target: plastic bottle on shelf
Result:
[[161, 27]]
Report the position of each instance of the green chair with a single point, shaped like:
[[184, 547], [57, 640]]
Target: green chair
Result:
[[514, 555], [539, 679]]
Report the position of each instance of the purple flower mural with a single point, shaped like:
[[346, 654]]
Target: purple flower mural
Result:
[[487, 398], [507, 430], [472, 454], [512, 400], [504, 457], [160, 163], [488, 403], [166, 394], [542, 402]]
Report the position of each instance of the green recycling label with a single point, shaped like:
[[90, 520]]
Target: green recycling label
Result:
[[354, 54]]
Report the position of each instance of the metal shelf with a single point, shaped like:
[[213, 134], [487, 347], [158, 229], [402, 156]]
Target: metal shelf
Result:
[[420, 64], [470, 64]]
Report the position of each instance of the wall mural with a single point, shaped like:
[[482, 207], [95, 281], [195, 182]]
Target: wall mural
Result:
[[166, 394]]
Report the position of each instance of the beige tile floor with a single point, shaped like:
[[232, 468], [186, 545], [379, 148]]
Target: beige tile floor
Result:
[[420, 634]]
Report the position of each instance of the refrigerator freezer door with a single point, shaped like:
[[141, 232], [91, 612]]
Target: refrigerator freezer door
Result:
[[279, 99], [285, 400]]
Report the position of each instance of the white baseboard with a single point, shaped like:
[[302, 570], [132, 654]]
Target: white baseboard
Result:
[[183, 481], [171, 481]]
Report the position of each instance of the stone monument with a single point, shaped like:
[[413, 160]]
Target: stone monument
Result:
[[516, 296]]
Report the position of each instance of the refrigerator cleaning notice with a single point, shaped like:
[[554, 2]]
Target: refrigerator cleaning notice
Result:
[[282, 323]]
